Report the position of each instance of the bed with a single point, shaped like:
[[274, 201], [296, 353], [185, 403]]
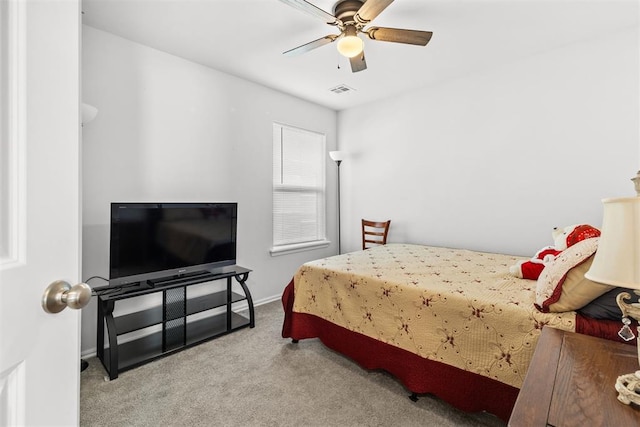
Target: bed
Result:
[[450, 322]]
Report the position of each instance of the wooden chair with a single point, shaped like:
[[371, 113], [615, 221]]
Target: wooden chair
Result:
[[374, 233]]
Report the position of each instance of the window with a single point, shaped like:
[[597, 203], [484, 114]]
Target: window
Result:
[[298, 189]]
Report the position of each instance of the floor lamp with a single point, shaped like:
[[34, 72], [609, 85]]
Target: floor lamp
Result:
[[89, 112], [338, 156]]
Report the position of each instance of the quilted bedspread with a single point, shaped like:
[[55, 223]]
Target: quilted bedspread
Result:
[[454, 306]]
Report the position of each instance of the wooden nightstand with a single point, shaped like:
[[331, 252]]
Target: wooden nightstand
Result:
[[571, 382]]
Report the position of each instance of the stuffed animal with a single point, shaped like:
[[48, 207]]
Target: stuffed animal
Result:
[[572, 234], [562, 238], [532, 268]]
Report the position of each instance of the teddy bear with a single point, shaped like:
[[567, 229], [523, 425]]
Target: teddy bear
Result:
[[562, 239], [572, 234], [531, 269]]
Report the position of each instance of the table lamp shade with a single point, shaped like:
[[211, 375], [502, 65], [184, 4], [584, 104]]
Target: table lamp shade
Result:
[[617, 261]]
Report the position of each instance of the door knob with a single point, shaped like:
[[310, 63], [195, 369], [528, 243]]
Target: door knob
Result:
[[60, 295]]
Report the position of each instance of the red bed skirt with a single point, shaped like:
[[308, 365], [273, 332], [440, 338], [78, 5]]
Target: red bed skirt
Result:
[[465, 390]]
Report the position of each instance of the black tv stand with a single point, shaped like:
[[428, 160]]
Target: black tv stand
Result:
[[180, 328], [208, 275]]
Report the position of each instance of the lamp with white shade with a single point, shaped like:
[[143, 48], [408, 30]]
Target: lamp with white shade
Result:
[[89, 112], [617, 263], [338, 156]]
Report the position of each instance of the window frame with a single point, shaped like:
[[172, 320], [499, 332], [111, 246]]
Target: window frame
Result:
[[321, 213]]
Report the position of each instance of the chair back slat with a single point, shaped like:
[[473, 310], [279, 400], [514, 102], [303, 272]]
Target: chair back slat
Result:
[[374, 233]]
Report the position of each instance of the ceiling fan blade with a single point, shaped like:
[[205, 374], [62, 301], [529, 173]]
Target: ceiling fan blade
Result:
[[309, 8], [370, 9], [311, 45], [398, 35], [358, 63]]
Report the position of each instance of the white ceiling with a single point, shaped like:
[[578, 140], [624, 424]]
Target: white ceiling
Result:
[[246, 38]]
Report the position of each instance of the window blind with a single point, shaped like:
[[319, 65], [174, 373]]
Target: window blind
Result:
[[298, 186]]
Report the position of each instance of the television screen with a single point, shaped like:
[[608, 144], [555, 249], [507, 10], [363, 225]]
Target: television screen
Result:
[[159, 240]]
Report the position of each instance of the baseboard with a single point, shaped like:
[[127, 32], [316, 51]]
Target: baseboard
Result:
[[86, 354]]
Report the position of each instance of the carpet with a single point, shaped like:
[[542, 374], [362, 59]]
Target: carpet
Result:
[[254, 377]]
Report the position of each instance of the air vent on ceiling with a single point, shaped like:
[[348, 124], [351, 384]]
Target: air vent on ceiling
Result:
[[342, 89]]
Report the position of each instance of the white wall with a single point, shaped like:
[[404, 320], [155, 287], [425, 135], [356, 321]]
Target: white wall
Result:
[[172, 130], [490, 162], [494, 160]]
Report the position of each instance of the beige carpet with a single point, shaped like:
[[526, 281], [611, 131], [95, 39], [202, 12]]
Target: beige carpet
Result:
[[253, 377]]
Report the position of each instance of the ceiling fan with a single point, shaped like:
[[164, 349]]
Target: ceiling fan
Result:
[[351, 17]]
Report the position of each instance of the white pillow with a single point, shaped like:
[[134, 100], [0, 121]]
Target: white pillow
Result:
[[562, 285]]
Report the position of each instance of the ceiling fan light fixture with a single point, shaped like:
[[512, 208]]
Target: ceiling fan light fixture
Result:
[[351, 17], [350, 44]]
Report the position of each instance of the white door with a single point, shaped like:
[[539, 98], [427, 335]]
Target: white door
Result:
[[39, 209]]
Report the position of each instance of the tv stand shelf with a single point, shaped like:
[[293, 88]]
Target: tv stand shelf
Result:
[[174, 324]]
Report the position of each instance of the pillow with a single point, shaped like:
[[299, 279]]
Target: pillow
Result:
[[562, 285], [605, 306]]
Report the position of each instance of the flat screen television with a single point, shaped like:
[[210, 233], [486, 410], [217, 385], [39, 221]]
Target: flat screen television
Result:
[[154, 241]]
